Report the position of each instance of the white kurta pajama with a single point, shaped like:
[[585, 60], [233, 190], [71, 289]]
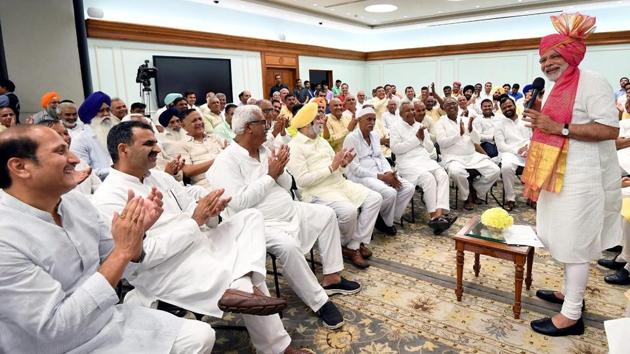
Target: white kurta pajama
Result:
[[291, 227], [88, 149], [191, 266], [414, 164], [583, 219], [368, 163], [53, 299], [309, 164], [510, 136], [458, 155]]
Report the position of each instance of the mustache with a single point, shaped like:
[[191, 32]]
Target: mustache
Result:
[[153, 154]]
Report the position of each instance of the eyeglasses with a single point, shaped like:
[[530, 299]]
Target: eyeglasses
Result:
[[262, 121], [267, 110]]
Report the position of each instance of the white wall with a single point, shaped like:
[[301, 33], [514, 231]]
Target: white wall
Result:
[[114, 65], [350, 71], [522, 67], [40, 45]]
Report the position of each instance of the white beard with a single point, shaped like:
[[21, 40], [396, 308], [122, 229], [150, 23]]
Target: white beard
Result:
[[101, 127], [176, 134]]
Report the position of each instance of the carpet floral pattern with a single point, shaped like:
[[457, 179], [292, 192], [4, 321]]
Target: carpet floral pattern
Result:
[[408, 302]]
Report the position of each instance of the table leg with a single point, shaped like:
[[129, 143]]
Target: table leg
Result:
[[530, 263], [518, 285], [459, 289], [477, 265]]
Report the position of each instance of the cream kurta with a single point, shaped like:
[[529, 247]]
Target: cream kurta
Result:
[[309, 165], [195, 152], [185, 265], [338, 129], [583, 219], [413, 157], [456, 147], [210, 121]]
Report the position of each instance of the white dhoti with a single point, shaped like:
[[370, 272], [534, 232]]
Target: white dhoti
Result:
[[394, 201], [489, 171], [356, 227], [509, 164], [434, 183], [290, 241]]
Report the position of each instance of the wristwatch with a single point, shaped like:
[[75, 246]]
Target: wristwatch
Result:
[[565, 130]]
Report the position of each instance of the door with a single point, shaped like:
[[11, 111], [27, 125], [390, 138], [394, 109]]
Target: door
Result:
[[288, 78], [319, 77]]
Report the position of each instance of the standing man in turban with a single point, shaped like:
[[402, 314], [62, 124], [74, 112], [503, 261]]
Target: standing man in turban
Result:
[[572, 168], [49, 101], [91, 143]]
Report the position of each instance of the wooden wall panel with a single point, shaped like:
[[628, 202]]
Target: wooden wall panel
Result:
[[154, 34]]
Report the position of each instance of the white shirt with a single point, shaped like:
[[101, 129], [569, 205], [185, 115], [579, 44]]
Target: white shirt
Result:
[[389, 119], [53, 299], [369, 160], [203, 258], [511, 135], [485, 127], [88, 149], [412, 155]]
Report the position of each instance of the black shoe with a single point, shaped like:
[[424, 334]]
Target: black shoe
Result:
[[620, 277], [438, 225], [330, 315], [545, 326], [548, 295], [611, 263], [344, 287], [382, 227], [616, 249]]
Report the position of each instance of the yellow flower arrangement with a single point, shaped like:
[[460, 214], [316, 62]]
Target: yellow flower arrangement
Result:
[[497, 218]]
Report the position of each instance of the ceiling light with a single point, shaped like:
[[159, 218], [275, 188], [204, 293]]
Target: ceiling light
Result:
[[476, 7], [314, 4], [381, 8]]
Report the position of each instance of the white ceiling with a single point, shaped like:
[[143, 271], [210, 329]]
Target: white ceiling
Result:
[[418, 11]]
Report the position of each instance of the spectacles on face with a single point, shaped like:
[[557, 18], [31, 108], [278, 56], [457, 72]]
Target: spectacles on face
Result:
[[267, 110], [261, 122]]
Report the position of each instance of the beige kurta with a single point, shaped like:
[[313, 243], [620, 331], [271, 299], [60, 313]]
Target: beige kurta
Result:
[[309, 165], [195, 152], [583, 219], [338, 129]]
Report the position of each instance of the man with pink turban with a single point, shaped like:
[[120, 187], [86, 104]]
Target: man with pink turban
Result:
[[49, 102], [572, 168]]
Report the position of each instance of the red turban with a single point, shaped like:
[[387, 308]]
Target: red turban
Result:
[[47, 97], [569, 41]]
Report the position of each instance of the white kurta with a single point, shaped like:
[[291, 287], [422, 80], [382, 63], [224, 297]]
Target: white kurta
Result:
[[456, 147], [485, 128], [53, 299], [583, 219], [185, 265], [88, 149]]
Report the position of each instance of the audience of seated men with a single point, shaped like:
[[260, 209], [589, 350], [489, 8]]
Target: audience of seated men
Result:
[[61, 261], [512, 137], [189, 261], [459, 156], [317, 170], [413, 147], [254, 176], [371, 169]]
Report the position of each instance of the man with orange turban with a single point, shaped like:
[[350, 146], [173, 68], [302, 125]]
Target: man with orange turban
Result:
[[572, 168], [49, 101]]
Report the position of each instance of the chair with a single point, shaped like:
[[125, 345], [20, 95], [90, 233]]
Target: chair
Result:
[[472, 174], [519, 173]]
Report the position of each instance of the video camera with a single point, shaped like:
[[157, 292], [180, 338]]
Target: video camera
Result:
[[145, 74]]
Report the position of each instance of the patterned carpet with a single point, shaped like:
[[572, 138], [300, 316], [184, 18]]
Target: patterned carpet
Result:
[[408, 302]]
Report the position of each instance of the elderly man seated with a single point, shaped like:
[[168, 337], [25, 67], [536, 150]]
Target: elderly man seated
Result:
[[457, 144], [212, 117], [371, 169], [173, 132], [413, 147], [61, 263], [318, 173], [277, 134], [337, 125], [189, 262], [512, 137], [70, 118], [255, 177], [198, 149], [90, 144]]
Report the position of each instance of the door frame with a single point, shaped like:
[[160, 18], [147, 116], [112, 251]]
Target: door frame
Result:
[[275, 60]]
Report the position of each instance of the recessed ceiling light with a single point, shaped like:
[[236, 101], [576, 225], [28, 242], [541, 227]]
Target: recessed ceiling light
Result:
[[476, 7], [381, 8], [314, 4]]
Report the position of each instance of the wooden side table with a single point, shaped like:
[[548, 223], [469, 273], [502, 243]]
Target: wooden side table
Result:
[[517, 254]]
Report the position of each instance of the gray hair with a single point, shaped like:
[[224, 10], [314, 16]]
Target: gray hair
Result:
[[219, 95], [67, 105], [402, 104], [243, 115]]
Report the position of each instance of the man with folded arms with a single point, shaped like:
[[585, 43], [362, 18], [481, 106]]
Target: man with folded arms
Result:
[[457, 144], [413, 147], [512, 137], [60, 263], [255, 177], [371, 169], [190, 262], [318, 173]]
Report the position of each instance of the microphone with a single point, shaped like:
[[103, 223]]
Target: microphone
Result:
[[537, 86]]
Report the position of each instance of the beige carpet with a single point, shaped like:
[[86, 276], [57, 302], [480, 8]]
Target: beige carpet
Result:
[[408, 302]]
